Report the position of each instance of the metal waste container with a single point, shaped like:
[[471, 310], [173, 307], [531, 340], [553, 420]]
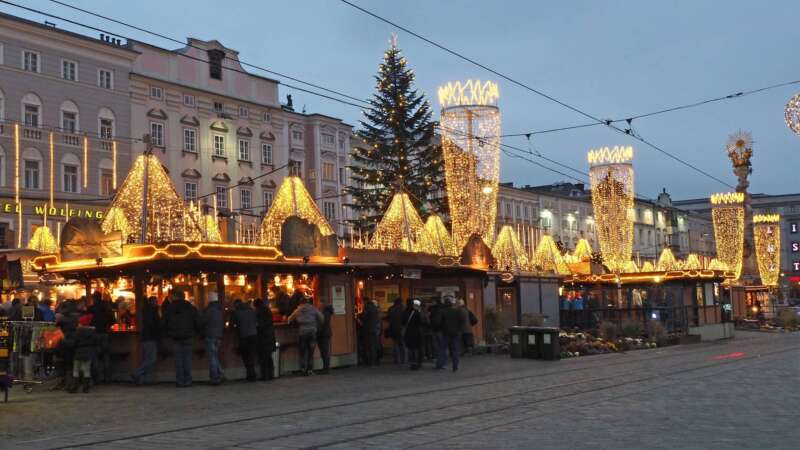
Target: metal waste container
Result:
[[533, 347], [519, 341], [276, 360], [550, 349]]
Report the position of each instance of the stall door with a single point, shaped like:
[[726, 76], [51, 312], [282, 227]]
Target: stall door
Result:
[[507, 306]]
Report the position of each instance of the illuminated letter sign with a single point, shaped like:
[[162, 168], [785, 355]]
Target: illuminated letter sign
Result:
[[796, 265], [793, 227], [795, 247]]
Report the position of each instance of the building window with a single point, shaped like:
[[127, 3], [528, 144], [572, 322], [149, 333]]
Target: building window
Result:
[[327, 139], [106, 128], [297, 135], [156, 92], [329, 210], [31, 115], [219, 108], [508, 211], [219, 145], [188, 100], [190, 140], [69, 121], [244, 150], [31, 174], [222, 197], [328, 171], [295, 168], [266, 153], [31, 61], [215, 58], [243, 111], [69, 70], [245, 199], [268, 195], [106, 182], [105, 79], [190, 191], [157, 134], [341, 144], [341, 175], [70, 173]]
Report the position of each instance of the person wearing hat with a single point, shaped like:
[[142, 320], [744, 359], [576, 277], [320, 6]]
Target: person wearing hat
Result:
[[180, 323], [213, 327], [415, 322], [149, 334], [85, 346]]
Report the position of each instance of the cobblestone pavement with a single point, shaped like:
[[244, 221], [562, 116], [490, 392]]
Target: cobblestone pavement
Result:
[[740, 393]]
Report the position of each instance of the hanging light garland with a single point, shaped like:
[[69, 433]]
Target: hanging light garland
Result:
[[767, 235], [400, 228], [292, 199], [611, 176], [470, 127], [792, 114], [509, 252], [728, 217]]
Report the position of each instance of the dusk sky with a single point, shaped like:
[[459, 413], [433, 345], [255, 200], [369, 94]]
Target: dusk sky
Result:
[[612, 59]]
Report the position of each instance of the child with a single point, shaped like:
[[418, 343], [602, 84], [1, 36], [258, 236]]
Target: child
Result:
[[85, 345]]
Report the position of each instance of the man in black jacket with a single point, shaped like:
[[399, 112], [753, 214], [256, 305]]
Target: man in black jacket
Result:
[[214, 326], [102, 320], [245, 322], [149, 334], [324, 338], [266, 339], [397, 315], [180, 323], [453, 322]]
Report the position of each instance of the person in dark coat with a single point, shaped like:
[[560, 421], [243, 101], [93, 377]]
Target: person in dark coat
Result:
[[213, 328], [452, 326], [370, 321], [436, 331], [67, 321], [266, 339], [149, 334], [324, 338], [396, 316], [415, 323], [244, 320], [180, 323], [468, 320], [85, 345], [102, 320], [308, 320]]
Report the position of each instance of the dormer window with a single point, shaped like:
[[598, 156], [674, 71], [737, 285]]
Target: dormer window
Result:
[[215, 58]]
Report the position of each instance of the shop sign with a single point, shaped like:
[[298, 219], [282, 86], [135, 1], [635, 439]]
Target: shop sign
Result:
[[338, 300], [507, 277], [795, 247], [796, 266], [793, 227], [13, 208], [3, 338], [414, 274]]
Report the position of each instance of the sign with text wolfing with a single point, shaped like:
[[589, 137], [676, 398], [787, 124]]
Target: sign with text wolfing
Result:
[[39, 209]]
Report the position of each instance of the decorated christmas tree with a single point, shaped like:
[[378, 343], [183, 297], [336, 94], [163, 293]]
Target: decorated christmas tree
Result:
[[401, 147]]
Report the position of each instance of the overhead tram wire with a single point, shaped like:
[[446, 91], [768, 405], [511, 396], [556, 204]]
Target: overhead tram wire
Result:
[[178, 41], [608, 123], [232, 69]]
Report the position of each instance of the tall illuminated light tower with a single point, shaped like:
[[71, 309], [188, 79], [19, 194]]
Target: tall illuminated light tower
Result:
[[470, 127], [727, 212], [767, 234], [611, 176], [740, 150]]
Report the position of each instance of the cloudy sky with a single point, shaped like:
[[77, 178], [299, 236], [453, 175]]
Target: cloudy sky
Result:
[[611, 59]]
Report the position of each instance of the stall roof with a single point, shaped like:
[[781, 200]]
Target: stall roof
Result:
[[651, 277]]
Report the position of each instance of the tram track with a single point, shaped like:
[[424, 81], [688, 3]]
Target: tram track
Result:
[[661, 357]]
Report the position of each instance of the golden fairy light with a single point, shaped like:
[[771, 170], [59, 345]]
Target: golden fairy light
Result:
[[470, 127], [43, 241], [292, 199], [115, 221], [114, 164], [692, 262], [611, 177], [647, 267], [583, 250], [548, 258], [792, 114], [212, 229], [728, 217], [767, 235], [167, 217], [400, 228], [716, 264], [85, 162], [667, 261], [508, 251], [630, 267], [439, 240]]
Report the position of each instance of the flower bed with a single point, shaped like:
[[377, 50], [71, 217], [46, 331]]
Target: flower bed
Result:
[[583, 344]]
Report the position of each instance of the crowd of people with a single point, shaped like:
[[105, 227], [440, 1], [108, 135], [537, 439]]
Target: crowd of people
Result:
[[417, 333]]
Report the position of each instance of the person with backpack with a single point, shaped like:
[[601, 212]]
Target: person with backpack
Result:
[[308, 320], [180, 322]]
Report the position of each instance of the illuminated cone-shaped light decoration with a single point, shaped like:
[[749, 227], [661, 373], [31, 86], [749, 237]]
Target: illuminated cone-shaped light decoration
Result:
[[292, 199], [211, 229], [728, 215], [43, 241], [438, 239], [667, 261], [548, 257], [167, 217], [792, 114], [583, 250], [401, 228], [716, 264], [508, 251], [115, 221], [630, 267], [611, 176], [648, 267], [767, 234], [692, 262], [470, 129]]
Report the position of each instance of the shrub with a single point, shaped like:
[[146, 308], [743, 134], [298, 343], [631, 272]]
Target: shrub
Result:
[[607, 330], [532, 320], [655, 330], [632, 329], [788, 318]]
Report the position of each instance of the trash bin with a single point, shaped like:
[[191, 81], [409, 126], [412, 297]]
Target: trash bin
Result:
[[519, 341], [533, 341], [276, 360], [550, 349]]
